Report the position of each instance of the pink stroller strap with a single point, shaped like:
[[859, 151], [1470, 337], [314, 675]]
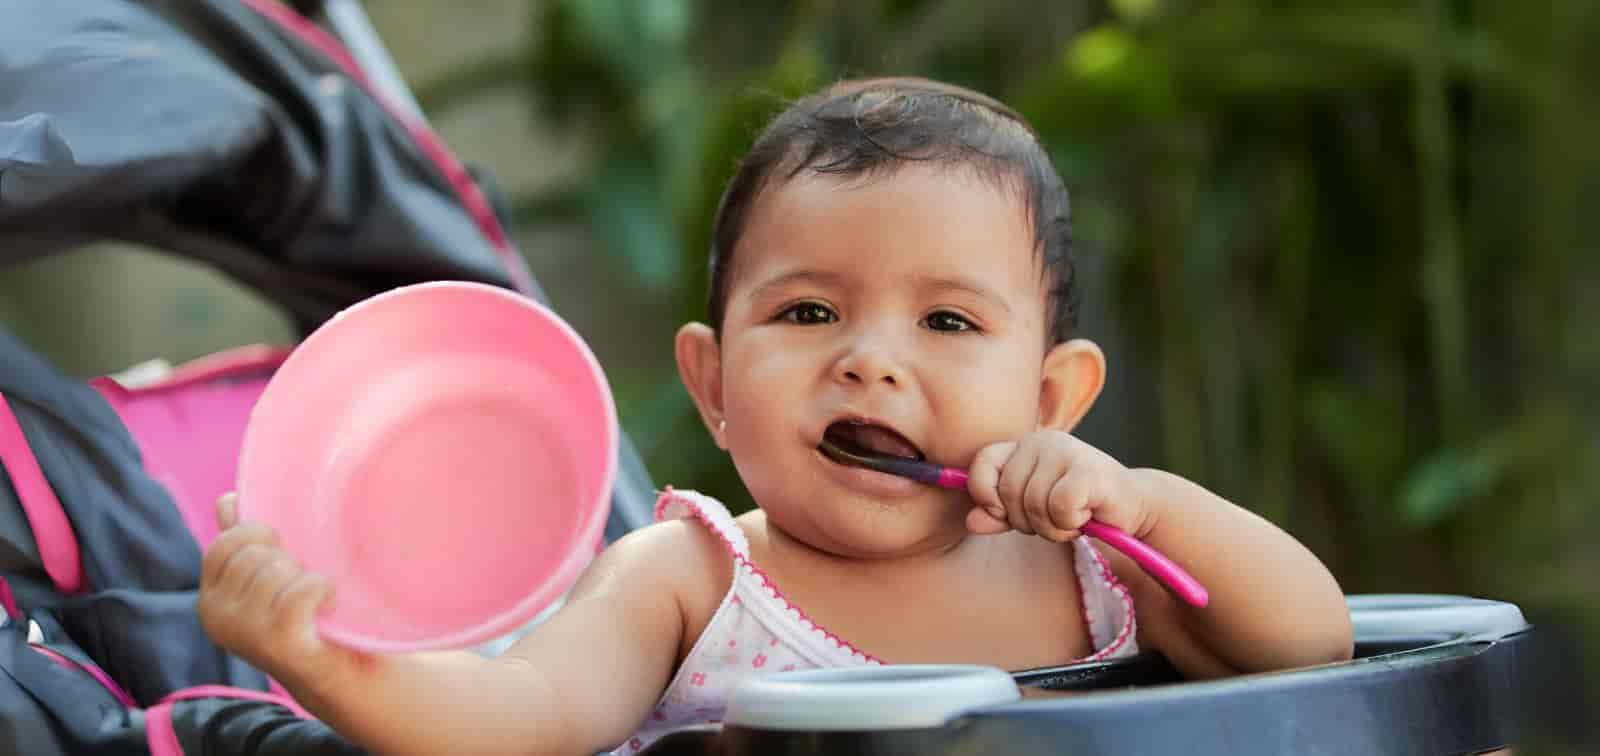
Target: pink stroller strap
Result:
[[58, 545], [162, 738]]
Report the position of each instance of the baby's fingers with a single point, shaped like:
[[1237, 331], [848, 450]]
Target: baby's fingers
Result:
[[1068, 509], [253, 577], [220, 556], [228, 510], [298, 603], [983, 478], [1049, 472], [240, 579], [1019, 470], [980, 522]]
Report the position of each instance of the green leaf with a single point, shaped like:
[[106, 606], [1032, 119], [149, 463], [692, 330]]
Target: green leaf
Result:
[[627, 213], [1442, 486], [1363, 434], [1100, 53], [1136, 11]]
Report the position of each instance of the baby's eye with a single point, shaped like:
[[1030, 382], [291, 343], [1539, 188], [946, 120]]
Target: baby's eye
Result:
[[808, 313], [945, 320]]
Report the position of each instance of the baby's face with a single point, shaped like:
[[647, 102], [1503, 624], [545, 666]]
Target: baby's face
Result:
[[910, 307]]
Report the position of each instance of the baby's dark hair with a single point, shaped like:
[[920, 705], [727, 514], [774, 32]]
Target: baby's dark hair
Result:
[[871, 128]]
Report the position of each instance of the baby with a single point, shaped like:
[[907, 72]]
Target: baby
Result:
[[891, 270]]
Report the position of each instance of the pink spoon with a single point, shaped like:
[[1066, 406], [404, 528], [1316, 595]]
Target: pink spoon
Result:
[[1152, 561]]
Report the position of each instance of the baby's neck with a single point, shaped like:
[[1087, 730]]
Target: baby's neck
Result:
[[780, 552]]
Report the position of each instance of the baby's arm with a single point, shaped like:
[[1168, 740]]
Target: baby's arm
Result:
[[580, 682], [1274, 605]]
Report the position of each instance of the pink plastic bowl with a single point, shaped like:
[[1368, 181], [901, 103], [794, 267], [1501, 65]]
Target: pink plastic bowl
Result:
[[445, 453]]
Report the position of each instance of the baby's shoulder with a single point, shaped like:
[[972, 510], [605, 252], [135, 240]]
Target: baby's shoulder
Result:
[[681, 556]]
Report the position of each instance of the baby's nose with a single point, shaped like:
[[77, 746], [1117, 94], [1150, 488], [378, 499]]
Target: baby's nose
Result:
[[867, 365]]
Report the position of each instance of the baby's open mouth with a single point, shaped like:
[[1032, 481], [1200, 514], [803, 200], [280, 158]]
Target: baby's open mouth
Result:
[[865, 439]]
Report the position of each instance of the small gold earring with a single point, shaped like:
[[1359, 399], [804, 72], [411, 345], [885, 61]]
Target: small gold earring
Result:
[[722, 426]]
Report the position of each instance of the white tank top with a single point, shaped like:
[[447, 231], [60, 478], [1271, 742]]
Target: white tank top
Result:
[[757, 631]]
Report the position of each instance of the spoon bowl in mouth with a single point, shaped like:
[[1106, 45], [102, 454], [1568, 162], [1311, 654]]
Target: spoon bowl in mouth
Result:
[[845, 452]]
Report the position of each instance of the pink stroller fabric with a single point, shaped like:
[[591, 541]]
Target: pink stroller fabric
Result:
[[188, 426]]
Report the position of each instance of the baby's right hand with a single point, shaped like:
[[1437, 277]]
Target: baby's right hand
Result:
[[256, 601]]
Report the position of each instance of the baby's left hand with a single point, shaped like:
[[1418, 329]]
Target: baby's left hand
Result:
[[1049, 484]]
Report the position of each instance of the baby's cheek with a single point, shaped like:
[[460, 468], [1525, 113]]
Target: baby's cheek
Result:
[[1004, 381], [995, 416]]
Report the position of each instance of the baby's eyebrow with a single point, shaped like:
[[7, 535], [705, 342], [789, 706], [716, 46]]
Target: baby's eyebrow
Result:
[[806, 276], [961, 284], [933, 284]]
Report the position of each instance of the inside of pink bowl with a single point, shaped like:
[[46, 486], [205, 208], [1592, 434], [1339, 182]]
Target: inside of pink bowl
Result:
[[444, 453]]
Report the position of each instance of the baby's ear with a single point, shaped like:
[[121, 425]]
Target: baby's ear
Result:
[[700, 367], [1074, 372]]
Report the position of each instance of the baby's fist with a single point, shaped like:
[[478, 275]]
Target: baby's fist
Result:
[[1049, 484], [256, 601]]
